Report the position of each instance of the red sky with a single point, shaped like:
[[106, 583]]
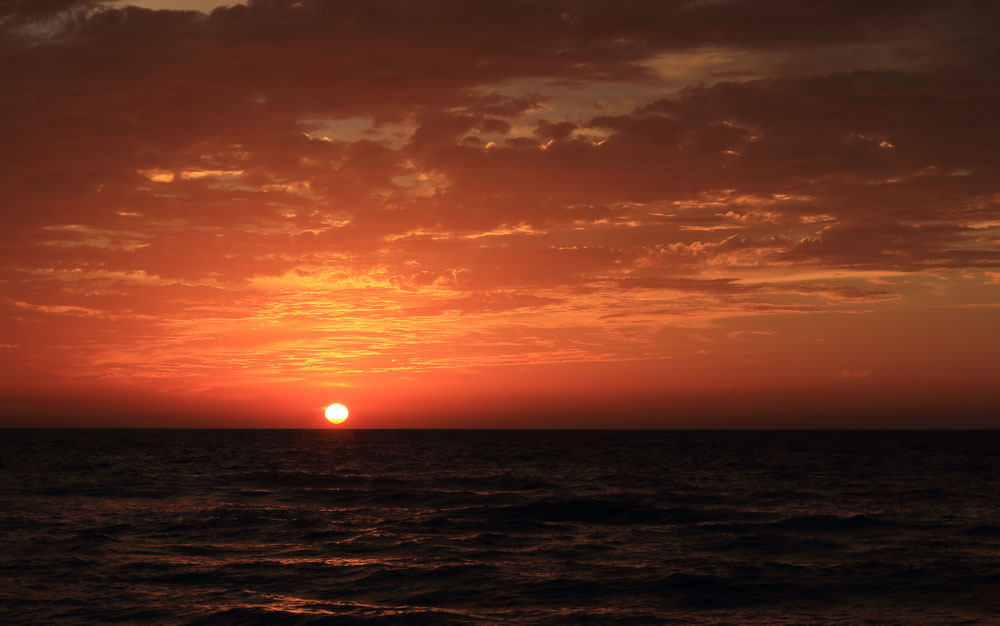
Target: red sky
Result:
[[515, 213]]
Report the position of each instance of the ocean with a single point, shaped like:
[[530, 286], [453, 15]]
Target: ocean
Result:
[[347, 527]]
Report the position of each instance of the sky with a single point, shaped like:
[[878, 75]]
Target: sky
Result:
[[459, 213]]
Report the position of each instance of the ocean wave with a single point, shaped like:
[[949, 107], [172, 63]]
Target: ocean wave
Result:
[[495, 529]]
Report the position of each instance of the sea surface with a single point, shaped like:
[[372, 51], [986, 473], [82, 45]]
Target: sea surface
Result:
[[499, 527]]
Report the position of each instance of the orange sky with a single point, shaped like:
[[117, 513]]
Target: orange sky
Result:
[[544, 214]]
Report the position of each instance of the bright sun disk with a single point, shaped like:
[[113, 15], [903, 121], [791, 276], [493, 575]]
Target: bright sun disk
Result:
[[336, 413]]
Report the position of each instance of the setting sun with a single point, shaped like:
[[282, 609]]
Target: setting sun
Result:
[[336, 413]]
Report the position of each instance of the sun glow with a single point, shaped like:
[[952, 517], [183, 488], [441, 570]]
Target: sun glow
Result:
[[336, 413]]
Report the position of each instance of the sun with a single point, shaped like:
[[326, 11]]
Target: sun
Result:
[[336, 413]]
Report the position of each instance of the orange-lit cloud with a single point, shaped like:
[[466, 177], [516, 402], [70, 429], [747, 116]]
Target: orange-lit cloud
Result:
[[668, 210]]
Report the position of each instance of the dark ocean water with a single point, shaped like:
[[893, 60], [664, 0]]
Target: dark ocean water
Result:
[[499, 527]]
